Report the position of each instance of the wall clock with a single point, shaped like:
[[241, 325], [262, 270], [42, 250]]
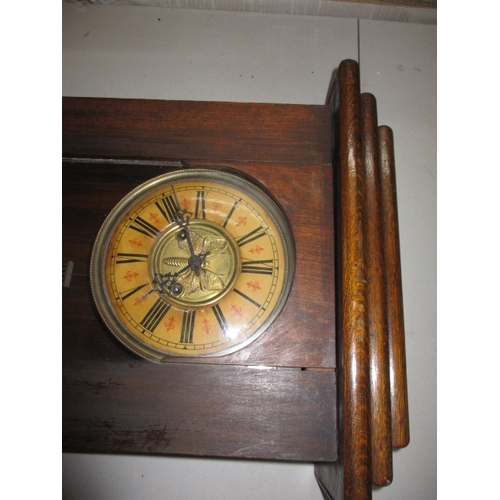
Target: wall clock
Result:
[[318, 374], [196, 262]]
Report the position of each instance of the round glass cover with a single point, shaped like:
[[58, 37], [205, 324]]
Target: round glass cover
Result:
[[197, 262]]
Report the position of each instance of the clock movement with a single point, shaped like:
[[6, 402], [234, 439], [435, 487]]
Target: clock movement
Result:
[[232, 283]]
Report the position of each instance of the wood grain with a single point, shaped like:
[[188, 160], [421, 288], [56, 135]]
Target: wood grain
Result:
[[198, 410], [356, 361], [380, 400], [372, 407], [166, 130], [394, 291]]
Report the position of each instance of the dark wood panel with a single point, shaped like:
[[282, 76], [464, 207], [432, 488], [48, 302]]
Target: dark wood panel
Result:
[[218, 411], [133, 128]]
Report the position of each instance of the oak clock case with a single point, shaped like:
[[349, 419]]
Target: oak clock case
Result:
[[194, 263]]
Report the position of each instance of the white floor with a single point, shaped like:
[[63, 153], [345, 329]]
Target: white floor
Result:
[[164, 53]]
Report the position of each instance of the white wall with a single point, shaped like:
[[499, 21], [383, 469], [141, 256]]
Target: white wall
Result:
[[398, 65], [165, 53], [118, 51]]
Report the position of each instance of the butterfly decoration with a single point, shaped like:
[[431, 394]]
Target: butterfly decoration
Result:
[[190, 282]]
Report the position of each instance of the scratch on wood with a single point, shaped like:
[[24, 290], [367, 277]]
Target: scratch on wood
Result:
[[257, 445]]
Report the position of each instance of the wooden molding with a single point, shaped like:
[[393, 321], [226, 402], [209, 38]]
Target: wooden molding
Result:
[[373, 410]]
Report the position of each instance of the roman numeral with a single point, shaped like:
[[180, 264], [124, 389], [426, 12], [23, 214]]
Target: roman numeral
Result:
[[252, 236], [258, 267], [187, 327], [130, 258], [241, 294], [199, 211], [144, 227], [233, 208], [130, 292], [220, 319], [155, 315], [168, 207]]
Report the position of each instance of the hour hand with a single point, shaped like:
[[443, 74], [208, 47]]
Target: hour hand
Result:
[[167, 283], [185, 235], [182, 218]]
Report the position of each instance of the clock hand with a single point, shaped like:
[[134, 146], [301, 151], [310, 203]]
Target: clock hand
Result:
[[195, 261], [182, 218], [166, 283], [185, 235]]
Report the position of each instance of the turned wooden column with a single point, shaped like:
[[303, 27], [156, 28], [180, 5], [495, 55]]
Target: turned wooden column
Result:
[[373, 401]]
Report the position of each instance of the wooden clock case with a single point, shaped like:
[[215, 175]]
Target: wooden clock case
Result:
[[316, 387]]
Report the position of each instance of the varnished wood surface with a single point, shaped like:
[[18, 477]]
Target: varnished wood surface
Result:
[[355, 342], [198, 410], [141, 128], [373, 416], [392, 270], [380, 402]]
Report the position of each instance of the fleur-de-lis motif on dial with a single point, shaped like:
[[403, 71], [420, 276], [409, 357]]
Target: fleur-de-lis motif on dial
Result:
[[197, 262]]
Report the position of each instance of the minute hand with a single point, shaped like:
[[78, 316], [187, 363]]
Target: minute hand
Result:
[[182, 218]]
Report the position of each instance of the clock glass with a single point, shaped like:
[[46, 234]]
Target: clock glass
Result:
[[197, 262]]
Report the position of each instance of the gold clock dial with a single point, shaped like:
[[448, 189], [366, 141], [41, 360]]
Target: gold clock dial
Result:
[[198, 262]]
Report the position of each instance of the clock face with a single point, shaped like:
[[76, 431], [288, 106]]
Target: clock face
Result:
[[198, 262]]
